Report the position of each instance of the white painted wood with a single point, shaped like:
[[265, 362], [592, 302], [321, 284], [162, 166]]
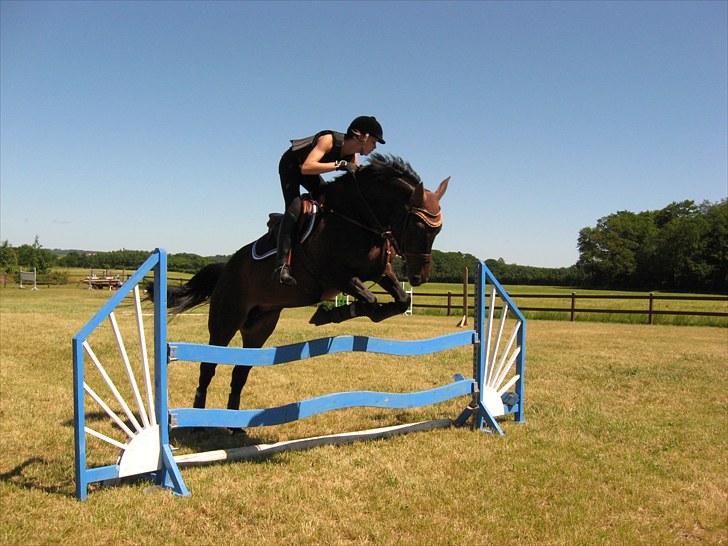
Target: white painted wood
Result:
[[129, 370], [501, 326], [509, 384], [141, 455], [506, 369], [104, 438], [144, 356], [263, 450], [111, 413], [111, 385], [506, 352], [488, 333], [493, 403]]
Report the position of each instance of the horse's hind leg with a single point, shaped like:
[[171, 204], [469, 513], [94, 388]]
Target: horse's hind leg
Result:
[[207, 369], [256, 330]]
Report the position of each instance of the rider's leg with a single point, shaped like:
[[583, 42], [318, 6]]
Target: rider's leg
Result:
[[282, 272], [290, 174], [291, 179]]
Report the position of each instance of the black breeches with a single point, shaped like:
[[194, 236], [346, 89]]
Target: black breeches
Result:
[[292, 179]]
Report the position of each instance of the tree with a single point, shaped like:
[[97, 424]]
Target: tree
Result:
[[8, 258], [617, 251], [35, 256], [682, 246], [715, 249]]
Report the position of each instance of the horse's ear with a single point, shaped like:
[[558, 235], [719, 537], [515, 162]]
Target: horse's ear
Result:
[[442, 188], [418, 197]]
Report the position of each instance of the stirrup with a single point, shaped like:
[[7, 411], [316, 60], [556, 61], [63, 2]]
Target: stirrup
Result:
[[282, 273]]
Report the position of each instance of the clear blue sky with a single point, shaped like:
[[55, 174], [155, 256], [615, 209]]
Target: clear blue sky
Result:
[[136, 125]]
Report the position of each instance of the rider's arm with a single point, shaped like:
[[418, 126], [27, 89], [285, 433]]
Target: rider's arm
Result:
[[312, 164]]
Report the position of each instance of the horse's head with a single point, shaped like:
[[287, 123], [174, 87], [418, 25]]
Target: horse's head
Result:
[[422, 224], [387, 197]]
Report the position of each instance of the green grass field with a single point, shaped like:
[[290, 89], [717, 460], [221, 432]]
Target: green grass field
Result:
[[626, 442]]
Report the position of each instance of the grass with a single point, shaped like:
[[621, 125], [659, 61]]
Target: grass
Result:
[[626, 442]]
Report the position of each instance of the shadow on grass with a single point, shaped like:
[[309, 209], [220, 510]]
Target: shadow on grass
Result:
[[18, 477], [205, 439]]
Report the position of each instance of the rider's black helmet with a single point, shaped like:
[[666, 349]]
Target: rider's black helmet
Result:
[[367, 125]]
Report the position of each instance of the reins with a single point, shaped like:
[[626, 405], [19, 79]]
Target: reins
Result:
[[433, 220]]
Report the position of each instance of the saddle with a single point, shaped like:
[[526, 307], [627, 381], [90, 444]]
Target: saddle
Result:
[[266, 245]]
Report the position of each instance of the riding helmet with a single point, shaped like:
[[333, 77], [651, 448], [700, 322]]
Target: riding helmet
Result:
[[367, 125]]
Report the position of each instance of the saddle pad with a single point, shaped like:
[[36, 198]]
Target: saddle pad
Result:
[[265, 246]]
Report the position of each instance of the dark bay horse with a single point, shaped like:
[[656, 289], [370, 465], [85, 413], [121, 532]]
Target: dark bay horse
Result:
[[367, 217]]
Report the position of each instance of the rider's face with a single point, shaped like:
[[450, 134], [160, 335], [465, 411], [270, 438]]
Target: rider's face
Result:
[[368, 144]]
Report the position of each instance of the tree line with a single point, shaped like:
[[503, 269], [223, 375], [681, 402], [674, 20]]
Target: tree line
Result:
[[683, 246], [35, 256]]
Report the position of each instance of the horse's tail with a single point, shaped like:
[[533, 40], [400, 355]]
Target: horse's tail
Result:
[[194, 292]]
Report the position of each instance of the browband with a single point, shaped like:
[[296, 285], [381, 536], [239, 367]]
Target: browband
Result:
[[432, 220]]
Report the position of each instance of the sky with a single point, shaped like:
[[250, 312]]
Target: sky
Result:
[[136, 125]]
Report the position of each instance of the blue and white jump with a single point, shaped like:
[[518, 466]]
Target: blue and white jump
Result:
[[495, 389]]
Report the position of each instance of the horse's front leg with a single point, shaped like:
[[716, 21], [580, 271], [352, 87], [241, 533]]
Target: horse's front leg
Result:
[[367, 306], [391, 284], [357, 289], [362, 307], [401, 302]]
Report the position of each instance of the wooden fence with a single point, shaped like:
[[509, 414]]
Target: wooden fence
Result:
[[458, 304]]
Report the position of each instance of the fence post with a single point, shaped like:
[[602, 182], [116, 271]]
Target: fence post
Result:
[[465, 297], [449, 302], [649, 314], [573, 306]]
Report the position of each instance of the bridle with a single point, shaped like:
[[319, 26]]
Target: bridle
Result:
[[433, 220]]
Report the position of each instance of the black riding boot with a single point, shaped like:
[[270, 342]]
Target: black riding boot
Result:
[[282, 272]]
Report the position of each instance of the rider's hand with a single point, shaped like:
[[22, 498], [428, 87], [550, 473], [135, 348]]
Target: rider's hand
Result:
[[348, 166]]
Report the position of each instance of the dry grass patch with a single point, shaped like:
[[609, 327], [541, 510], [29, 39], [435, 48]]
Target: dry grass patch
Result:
[[625, 443]]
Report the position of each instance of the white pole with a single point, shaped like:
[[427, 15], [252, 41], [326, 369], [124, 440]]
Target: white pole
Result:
[[105, 438], [145, 356], [129, 370], [112, 387], [111, 413]]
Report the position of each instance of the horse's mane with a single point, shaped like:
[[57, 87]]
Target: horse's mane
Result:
[[387, 167], [390, 173]]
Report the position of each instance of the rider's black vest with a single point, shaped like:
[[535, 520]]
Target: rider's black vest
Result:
[[302, 147]]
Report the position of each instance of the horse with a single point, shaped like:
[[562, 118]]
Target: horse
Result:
[[368, 216]]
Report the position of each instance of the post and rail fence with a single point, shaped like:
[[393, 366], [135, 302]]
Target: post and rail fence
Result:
[[459, 303], [455, 304]]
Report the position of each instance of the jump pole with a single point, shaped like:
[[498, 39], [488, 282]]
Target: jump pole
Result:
[[498, 365]]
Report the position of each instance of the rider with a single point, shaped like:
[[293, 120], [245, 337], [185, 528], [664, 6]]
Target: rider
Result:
[[302, 165]]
